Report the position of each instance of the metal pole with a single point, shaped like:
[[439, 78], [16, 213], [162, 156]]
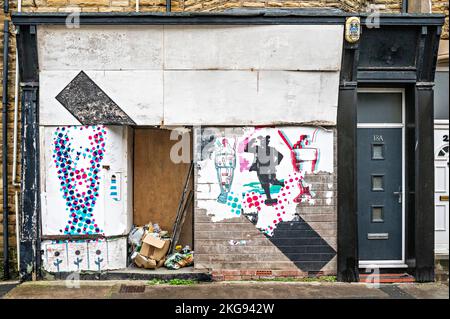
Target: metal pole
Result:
[[5, 149], [404, 6], [6, 6], [168, 5]]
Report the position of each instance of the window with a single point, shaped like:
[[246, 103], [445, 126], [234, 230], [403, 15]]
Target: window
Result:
[[377, 183], [379, 107], [441, 96], [377, 214]]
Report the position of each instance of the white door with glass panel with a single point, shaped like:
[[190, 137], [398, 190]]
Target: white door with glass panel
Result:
[[441, 190], [441, 144]]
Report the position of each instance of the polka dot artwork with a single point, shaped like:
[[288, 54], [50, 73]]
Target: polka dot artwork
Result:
[[79, 185], [234, 203]]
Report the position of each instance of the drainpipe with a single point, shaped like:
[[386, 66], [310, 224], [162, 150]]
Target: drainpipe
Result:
[[5, 149], [404, 6], [6, 6], [15, 183], [168, 5]]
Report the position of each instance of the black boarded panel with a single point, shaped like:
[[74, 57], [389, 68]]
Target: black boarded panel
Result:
[[87, 102], [383, 48], [298, 241]]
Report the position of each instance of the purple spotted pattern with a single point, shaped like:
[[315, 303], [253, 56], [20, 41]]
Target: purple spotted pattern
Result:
[[79, 185]]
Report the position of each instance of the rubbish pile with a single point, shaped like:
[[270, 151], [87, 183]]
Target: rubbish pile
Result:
[[180, 258], [150, 246]]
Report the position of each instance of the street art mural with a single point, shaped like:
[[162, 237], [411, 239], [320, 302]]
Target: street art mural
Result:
[[78, 166], [260, 172], [92, 255], [83, 180], [83, 176]]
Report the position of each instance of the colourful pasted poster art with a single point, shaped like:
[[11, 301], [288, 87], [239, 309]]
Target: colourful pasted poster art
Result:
[[260, 172]]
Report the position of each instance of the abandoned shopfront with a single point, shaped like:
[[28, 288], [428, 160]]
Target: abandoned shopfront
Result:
[[109, 107]]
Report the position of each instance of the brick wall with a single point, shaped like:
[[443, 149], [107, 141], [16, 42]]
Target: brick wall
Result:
[[234, 249], [438, 6], [11, 189]]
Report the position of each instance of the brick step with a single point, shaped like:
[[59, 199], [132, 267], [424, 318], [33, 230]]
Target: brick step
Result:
[[387, 278]]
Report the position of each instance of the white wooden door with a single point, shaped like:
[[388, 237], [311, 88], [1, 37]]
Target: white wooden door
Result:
[[441, 192]]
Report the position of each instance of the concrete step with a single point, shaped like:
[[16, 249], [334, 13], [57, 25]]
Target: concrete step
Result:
[[133, 273], [441, 268]]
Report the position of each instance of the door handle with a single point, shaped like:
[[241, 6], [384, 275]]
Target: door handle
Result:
[[399, 194]]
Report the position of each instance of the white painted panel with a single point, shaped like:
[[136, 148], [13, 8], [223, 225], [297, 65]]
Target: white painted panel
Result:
[[55, 257], [98, 255], [264, 47], [292, 97], [441, 178], [440, 219], [100, 48], [77, 254], [199, 97], [110, 213], [51, 112], [225, 75], [249, 98], [117, 253], [138, 93], [85, 255]]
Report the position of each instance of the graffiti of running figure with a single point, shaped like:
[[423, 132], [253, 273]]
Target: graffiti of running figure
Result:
[[265, 162]]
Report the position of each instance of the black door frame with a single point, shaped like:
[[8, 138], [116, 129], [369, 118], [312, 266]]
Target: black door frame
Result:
[[418, 83]]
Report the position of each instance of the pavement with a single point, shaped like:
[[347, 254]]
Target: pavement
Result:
[[123, 289]]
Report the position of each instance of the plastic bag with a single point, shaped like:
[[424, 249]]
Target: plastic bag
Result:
[[135, 236]]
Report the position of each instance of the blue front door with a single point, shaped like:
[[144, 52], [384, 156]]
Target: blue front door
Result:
[[379, 193], [380, 178]]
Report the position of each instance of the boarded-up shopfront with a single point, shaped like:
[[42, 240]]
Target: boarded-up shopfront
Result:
[[116, 98]]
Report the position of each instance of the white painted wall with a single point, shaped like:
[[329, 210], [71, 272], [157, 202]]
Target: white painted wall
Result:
[[185, 75]]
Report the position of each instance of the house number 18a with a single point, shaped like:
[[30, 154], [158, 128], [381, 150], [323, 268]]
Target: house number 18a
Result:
[[378, 138]]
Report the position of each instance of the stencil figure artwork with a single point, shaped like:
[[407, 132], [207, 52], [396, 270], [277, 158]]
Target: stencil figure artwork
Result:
[[225, 161], [265, 162]]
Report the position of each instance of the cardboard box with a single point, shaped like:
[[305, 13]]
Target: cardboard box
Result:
[[144, 262], [154, 248]]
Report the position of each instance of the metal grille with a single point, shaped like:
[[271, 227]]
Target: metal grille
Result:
[[124, 289]]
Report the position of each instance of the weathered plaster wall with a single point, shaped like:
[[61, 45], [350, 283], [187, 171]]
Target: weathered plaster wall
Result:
[[239, 228]]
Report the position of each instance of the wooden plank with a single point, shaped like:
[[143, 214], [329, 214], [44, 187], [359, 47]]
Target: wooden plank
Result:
[[158, 182]]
